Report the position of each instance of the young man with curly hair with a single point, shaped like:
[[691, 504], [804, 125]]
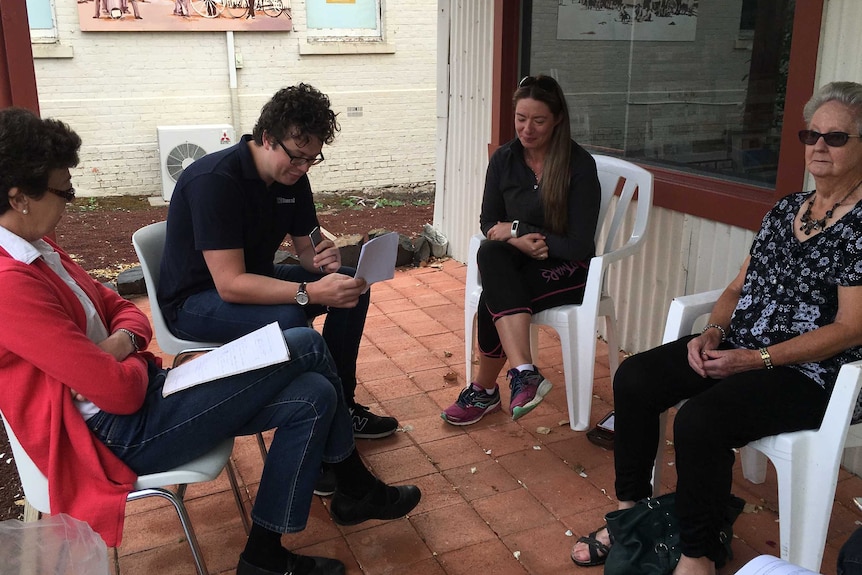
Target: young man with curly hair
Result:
[[229, 213]]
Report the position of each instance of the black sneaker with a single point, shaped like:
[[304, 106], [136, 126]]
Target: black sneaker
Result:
[[326, 483], [295, 564], [366, 425]]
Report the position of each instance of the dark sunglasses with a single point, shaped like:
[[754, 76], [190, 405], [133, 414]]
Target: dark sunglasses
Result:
[[67, 195], [300, 161], [832, 139], [546, 83]]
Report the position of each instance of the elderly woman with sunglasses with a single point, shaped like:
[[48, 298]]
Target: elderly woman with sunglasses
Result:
[[86, 401], [539, 215], [767, 359]]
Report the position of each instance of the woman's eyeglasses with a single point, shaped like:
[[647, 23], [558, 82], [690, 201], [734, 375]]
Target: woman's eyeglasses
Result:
[[67, 195], [300, 161], [832, 139], [546, 83]]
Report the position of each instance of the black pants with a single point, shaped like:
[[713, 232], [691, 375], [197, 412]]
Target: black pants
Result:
[[513, 282], [720, 415]]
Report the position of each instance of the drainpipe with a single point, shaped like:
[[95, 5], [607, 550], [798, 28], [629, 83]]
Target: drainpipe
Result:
[[234, 95]]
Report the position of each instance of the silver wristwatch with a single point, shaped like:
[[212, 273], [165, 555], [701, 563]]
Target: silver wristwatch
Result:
[[301, 296], [515, 229]]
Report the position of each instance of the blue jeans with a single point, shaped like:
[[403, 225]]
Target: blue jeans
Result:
[[205, 316], [850, 556], [301, 399]]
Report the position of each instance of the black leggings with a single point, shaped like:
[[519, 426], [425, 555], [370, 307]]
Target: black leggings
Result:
[[719, 415], [513, 282]]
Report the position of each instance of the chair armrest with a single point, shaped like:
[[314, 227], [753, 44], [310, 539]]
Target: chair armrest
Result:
[[842, 401], [685, 310], [473, 281], [191, 353]]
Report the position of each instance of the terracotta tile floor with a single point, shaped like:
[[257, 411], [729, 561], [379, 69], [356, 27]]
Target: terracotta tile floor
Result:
[[498, 497]]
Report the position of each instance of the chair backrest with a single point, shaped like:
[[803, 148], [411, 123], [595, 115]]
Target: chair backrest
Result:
[[634, 179], [612, 172], [149, 243], [33, 481]]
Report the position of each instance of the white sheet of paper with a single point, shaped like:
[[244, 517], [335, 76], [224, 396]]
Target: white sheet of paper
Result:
[[769, 565], [377, 259], [260, 348]]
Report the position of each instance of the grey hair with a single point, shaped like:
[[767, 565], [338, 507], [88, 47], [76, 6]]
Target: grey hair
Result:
[[847, 93]]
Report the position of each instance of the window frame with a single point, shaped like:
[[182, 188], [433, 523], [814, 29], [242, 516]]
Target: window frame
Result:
[[709, 197], [348, 34], [45, 35]]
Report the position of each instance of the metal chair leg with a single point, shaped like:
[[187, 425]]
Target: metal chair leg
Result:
[[237, 496], [262, 445], [180, 508]]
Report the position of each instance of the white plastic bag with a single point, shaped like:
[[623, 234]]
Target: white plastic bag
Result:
[[56, 545]]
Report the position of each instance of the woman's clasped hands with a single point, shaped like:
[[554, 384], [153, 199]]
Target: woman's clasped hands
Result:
[[707, 360], [532, 244]]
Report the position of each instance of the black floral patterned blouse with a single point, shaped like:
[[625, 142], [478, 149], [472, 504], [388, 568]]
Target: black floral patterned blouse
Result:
[[791, 287]]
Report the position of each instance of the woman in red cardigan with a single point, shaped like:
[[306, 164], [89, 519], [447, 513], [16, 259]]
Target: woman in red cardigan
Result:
[[85, 400]]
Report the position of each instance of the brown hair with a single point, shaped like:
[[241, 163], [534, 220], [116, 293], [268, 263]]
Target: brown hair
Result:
[[556, 174]]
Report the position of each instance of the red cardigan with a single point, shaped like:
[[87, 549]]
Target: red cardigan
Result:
[[45, 352]]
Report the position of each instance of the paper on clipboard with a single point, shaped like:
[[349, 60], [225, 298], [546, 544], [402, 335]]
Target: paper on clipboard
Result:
[[377, 259], [260, 348]]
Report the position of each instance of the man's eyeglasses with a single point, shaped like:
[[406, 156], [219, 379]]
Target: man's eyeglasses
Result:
[[832, 139], [67, 195], [546, 83], [300, 161]]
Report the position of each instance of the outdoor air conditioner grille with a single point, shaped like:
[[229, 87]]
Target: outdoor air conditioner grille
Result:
[[181, 157], [181, 146]]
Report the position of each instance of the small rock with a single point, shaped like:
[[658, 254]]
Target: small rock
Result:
[[350, 246], [285, 258], [422, 250], [406, 251], [131, 282]]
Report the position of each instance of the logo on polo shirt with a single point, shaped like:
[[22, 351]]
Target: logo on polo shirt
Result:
[[280, 200]]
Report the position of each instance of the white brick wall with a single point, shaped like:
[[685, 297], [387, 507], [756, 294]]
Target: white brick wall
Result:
[[118, 87]]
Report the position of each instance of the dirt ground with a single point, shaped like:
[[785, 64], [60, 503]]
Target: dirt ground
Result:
[[97, 233]]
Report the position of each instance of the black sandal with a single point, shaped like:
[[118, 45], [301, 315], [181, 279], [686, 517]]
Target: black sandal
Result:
[[595, 547]]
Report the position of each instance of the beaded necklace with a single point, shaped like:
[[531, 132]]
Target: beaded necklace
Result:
[[809, 223]]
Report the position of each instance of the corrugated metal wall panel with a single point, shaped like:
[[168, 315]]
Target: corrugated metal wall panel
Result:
[[681, 255], [464, 122]]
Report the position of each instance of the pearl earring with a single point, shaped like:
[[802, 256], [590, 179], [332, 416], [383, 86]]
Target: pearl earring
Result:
[[25, 211]]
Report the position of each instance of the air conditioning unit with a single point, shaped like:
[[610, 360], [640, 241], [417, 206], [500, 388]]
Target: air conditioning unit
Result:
[[179, 146]]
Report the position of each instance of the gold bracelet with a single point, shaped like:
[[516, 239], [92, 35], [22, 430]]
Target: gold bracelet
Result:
[[767, 359]]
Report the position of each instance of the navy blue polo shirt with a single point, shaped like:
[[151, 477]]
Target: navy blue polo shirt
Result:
[[221, 203]]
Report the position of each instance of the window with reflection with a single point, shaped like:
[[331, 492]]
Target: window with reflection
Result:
[[697, 86]]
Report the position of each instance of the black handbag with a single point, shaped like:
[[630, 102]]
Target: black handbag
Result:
[[646, 537]]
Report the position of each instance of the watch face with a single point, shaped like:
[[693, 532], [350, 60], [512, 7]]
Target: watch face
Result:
[[301, 296]]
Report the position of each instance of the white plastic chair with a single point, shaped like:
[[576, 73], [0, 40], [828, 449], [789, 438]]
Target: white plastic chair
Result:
[[205, 468], [806, 462], [576, 324], [149, 243]]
